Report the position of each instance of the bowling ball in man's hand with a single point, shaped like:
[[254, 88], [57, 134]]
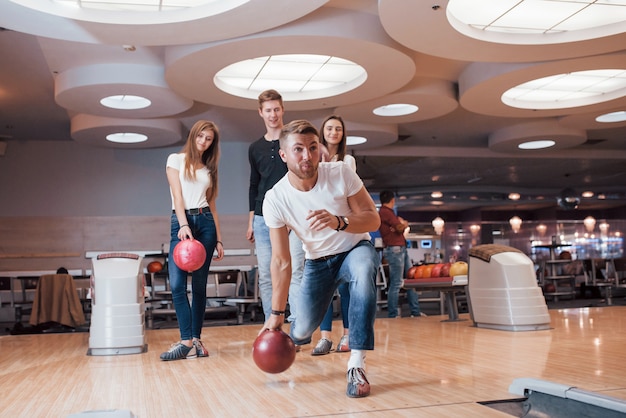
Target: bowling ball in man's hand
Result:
[[273, 351]]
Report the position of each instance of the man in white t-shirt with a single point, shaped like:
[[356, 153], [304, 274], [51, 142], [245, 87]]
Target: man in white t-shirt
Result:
[[328, 207]]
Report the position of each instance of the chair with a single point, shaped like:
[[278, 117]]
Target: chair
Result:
[[56, 300], [243, 296], [594, 277], [616, 270]]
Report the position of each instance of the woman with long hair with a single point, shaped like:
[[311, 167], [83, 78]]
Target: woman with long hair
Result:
[[333, 138], [192, 175]]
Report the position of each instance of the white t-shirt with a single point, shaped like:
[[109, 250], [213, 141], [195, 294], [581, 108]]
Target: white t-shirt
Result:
[[194, 191], [348, 159], [285, 205]]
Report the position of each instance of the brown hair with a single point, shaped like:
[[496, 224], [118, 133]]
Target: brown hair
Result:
[[341, 147], [268, 95], [299, 126], [209, 158]]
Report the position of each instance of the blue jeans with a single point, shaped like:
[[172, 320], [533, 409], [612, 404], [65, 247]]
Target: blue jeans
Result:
[[399, 265], [344, 300], [264, 257], [190, 317], [357, 268]]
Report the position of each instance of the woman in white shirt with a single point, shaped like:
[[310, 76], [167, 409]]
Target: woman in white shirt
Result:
[[193, 180], [333, 137]]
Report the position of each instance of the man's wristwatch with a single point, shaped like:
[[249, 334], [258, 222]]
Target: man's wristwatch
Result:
[[346, 222]]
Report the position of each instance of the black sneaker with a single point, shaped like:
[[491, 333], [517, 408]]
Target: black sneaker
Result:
[[177, 351], [358, 386], [323, 347]]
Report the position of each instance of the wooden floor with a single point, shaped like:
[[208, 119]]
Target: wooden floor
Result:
[[421, 367]]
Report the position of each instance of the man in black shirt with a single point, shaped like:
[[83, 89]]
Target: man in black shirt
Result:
[[266, 168]]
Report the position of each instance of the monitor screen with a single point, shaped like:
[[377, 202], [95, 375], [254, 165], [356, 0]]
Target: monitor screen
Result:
[[426, 243]]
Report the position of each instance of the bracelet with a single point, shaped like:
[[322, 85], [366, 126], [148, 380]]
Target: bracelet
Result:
[[219, 242], [182, 226], [277, 312], [338, 223]]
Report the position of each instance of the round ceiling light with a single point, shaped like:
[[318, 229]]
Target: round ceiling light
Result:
[[561, 91], [397, 109], [126, 138], [295, 76], [540, 144], [355, 140], [532, 22], [144, 11], [126, 102], [612, 117]]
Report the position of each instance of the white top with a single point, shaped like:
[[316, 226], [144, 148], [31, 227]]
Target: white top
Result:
[[194, 191], [348, 159], [284, 205]]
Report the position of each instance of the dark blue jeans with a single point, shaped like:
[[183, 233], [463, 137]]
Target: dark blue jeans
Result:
[[190, 317], [357, 268], [399, 265]]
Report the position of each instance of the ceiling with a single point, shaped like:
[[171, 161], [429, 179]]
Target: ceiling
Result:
[[461, 141]]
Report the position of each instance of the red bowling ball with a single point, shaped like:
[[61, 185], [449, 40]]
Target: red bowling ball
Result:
[[189, 255], [273, 351], [154, 267], [445, 270]]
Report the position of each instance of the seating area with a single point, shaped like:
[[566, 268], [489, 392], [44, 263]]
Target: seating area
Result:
[[233, 297]]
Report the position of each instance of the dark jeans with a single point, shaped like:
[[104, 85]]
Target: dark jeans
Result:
[[190, 317]]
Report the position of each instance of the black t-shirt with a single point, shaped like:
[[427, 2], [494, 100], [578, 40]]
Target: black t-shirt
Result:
[[266, 168]]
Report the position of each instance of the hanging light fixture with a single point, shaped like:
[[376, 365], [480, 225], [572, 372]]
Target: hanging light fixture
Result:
[[590, 223], [438, 224], [474, 229], [516, 223], [541, 228], [604, 227]]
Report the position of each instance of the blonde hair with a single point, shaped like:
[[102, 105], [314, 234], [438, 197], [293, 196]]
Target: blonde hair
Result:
[[209, 158]]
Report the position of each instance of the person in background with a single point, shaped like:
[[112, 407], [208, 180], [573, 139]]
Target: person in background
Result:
[[392, 232], [192, 175], [333, 137], [328, 207], [266, 168]]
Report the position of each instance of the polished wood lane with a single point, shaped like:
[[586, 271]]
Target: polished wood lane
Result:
[[421, 367]]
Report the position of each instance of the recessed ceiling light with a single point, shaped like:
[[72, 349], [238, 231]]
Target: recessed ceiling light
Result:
[[561, 91], [295, 76], [540, 144], [531, 17], [514, 196], [587, 193], [126, 138], [612, 117], [436, 195], [125, 102], [355, 140], [139, 6], [397, 109]]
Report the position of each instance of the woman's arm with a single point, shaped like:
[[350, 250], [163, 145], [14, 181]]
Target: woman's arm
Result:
[[179, 204]]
